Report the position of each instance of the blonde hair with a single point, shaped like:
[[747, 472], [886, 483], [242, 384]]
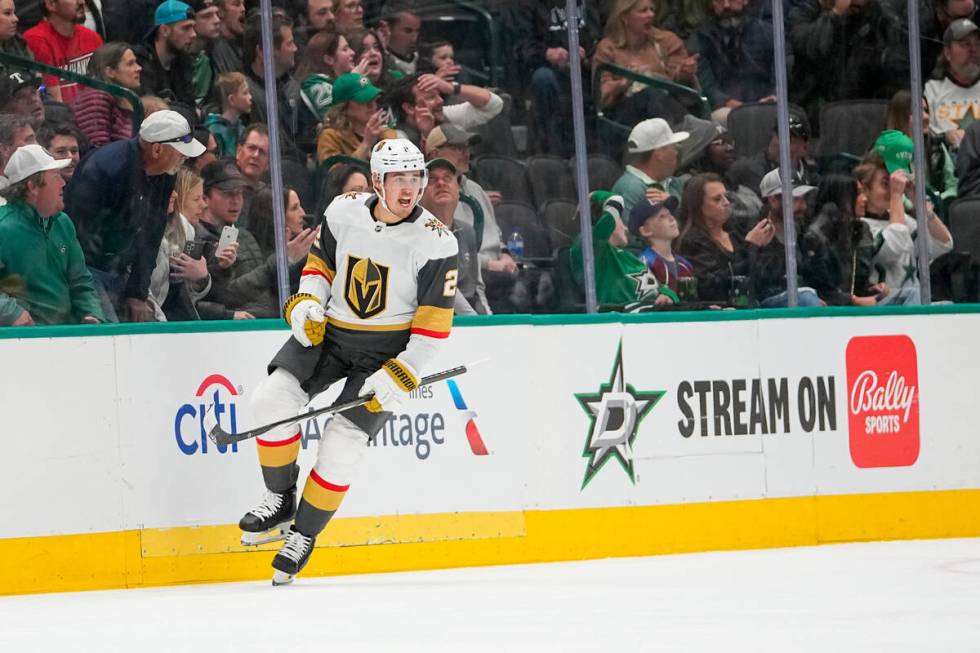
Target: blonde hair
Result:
[[336, 118], [187, 179], [616, 23], [229, 84], [152, 104]]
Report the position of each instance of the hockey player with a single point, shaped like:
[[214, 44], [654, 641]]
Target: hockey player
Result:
[[374, 303]]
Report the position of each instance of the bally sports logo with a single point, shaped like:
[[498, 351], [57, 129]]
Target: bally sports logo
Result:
[[883, 401]]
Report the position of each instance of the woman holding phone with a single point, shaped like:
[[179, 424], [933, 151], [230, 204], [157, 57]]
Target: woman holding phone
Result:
[[181, 267]]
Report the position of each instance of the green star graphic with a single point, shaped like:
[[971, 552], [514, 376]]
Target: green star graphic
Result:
[[910, 272], [967, 119], [615, 413]]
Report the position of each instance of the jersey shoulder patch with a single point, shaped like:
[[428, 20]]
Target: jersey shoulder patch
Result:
[[349, 207], [438, 238]]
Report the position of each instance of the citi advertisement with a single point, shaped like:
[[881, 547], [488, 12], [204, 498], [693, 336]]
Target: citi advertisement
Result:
[[420, 430]]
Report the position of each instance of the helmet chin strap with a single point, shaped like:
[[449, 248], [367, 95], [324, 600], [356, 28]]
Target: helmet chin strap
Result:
[[379, 190]]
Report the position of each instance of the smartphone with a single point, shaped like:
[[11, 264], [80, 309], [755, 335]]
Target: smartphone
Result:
[[390, 118], [194, 249], [229, 235]]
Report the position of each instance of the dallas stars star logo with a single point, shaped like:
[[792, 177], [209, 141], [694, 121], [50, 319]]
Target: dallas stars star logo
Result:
[[615, 413]]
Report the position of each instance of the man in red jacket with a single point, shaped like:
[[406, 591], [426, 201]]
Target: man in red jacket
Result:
[[59, 40]]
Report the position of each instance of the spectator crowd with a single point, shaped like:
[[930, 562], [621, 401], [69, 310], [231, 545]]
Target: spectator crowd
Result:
[[140, 191]]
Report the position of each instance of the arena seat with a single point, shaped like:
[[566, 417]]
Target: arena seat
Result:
[[550, 178], [558, 215], [504, 174], [751, 126], [851, 126]]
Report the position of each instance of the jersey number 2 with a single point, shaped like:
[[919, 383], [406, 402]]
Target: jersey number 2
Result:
[[449, 288]]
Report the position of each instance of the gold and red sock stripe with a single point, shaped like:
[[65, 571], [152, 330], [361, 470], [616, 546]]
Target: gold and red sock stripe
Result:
[[322, 494], [278, 454]]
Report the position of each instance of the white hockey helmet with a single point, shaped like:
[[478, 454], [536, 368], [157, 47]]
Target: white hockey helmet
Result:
[[396, 155]]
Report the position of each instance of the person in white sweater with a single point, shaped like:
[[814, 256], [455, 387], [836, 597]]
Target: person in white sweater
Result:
[[954, 100], [894, 232]]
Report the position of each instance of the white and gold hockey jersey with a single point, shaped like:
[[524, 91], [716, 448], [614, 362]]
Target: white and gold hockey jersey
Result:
[[385, 287]]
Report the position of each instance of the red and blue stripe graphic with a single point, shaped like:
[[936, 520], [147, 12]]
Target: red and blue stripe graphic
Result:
[[472, 432]]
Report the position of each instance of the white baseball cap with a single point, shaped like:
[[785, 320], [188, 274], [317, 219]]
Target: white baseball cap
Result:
[[29, 160], [652, 134], [171, 128], [772, 185]]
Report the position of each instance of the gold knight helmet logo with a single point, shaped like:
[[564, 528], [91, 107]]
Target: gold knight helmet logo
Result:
[[366, 287]]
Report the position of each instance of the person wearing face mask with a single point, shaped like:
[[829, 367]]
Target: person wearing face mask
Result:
[[118, 200], [736, 58], [955, 99]]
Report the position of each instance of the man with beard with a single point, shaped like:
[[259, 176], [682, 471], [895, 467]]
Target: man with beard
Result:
[[287, 89], [736, 58], [118, 200], [768, 262], [60, 41], [954, 100], [168, 68], [226, 54]]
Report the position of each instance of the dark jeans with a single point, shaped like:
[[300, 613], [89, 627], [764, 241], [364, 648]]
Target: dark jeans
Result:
[[552, 128], [110, 287]]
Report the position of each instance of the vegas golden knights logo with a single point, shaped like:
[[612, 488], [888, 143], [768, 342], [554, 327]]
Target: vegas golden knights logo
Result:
[[366, 287]]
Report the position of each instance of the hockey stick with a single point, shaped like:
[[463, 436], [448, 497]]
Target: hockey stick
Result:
[[223, 438]]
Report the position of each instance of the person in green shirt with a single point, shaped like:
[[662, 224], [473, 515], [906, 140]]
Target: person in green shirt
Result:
[[620, 277], [42, 266], [653, 146]]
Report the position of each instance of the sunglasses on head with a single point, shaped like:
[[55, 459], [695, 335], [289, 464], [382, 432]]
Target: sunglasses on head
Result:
[[186, 138]]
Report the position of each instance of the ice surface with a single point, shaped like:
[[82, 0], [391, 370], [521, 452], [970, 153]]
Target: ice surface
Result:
[[887, 596]]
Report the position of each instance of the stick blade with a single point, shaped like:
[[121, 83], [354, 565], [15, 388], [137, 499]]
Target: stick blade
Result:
[[219, 436]]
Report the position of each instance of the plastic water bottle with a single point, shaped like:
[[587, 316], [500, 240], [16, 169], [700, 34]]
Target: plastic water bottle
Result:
[[516, 245]]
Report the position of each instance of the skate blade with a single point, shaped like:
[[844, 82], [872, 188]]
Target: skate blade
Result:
[[281, 578], [277, 534]]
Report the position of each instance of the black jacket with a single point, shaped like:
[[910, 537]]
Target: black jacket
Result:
[[863, 54], [287, 92], [550, 30], [735, 62], [837, 254], [119, 213], [714, 267], [174, 85]]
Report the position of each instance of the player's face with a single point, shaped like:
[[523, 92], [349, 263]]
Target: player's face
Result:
[[402, 190]]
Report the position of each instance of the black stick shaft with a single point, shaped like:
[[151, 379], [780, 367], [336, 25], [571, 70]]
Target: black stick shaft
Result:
[[221, 437]]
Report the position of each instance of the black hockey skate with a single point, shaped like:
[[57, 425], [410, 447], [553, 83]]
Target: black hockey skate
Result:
[[269, 521], [292, 557]]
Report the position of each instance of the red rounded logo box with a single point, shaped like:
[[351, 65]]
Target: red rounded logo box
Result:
[[883, 401]]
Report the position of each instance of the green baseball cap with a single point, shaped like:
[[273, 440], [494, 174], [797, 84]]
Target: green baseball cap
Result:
[[895, 149], [354, 88]]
